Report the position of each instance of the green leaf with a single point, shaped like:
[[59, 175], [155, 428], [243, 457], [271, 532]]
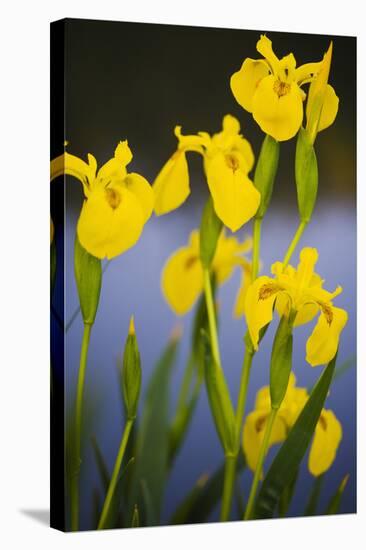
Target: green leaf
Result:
[[210, 231], [88, 276], [335, 501], [101, 465], [306, 175], [286, 497], [265, 172], [281, 362], [290, 455], [200, 502], [152, 440], [312, 504], [220, 401]]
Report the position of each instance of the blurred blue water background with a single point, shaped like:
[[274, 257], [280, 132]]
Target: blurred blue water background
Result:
[[138, 81]]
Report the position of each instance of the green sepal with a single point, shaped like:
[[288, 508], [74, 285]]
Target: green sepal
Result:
[[265, 172], [306, 175], [131, 375], [281, 362], [88, 275], [210, 231]]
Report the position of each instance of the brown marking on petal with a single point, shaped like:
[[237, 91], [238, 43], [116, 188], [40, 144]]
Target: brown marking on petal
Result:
[[267, 290], [259, 425], [190, 262], [232, 162], [323, 422], [281, 88], [113, 198], [327, 311]]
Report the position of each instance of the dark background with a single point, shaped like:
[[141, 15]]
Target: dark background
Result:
[[137, 81]]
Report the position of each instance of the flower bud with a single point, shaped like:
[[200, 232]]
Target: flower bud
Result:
[[265, 172], [88, 275], [281, 361], [131, 373], [210, 231], [306, 175]]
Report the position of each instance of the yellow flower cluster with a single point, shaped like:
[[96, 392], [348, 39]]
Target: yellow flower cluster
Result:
[[327, 437]]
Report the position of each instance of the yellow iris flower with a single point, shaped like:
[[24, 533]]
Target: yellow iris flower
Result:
[[300, 290], [228, 159], [271, 89], [117, 204], [327, 436], [182, 276]]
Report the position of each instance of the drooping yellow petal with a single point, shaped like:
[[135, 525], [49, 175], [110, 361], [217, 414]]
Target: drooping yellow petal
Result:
[[235, 198], [322, 345], [182, 280], [254, 428], [306, 314], [277, 108], [244, 82], [259, 305], [141, 188], [111, 221], [171, 186], [327, 437]]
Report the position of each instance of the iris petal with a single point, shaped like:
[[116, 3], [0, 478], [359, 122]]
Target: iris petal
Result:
[[171, 186], [327, 437], [244, 82], [322, 345]]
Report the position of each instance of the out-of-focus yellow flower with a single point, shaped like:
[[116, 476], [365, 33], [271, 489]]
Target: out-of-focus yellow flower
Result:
[[182, 276], [301, 290], [327, 437], [271, 89], [117, 204], [228, 159]]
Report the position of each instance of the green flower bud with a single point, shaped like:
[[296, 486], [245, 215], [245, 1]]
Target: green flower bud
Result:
[[306, 175], [131, 373], [210, 231], [265, 172], [281, 361], [88, 275]]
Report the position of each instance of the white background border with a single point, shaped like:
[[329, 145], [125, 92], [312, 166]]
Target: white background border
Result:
[[24, 219]]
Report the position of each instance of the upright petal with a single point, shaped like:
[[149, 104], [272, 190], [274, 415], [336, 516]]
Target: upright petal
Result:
[[182, 280], [305, 269], [277, 108], [264, 47], [76, 167], [327, 437], [142, 190], [236, 200], [244, 82], [111, 221], [171, 186], [322, 345], [259, 306], [115, 168]]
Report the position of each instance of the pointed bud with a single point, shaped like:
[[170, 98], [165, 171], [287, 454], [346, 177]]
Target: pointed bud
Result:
[[306, 175], [265, 172], [131, 373], [88, 275]]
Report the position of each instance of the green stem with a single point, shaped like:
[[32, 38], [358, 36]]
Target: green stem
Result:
[[211, 317], [115, 474], [256, 247], [294, 243], [259, 467], [229, 479], [78, 420]]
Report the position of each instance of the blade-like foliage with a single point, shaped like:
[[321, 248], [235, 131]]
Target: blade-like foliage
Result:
[[335, 501], [152, 445], [312, 504], [290, 455], [200, 502]]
